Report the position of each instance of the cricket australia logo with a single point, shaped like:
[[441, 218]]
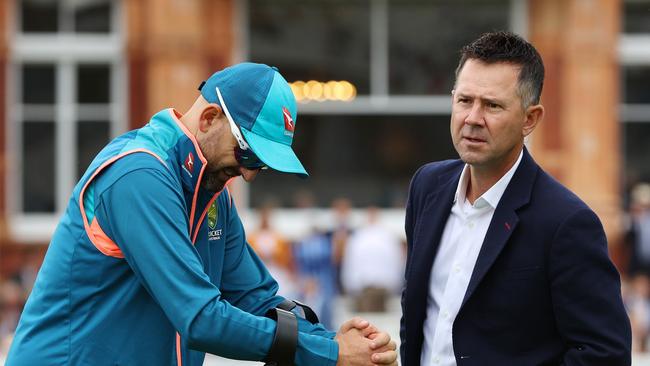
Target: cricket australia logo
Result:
[[213, 216]]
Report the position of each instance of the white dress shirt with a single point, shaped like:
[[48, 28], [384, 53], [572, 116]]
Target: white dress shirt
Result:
[[454, 263]]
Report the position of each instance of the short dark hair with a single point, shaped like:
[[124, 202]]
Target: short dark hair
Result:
[[509, 48]]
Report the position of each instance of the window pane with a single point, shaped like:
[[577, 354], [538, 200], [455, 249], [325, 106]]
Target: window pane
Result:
[[426, 37], [313, 40], [39, 16], [93, 17], [38, 168], [92, 136], [369, 159], [636, 16], [39, 84], [636, 80], [637, 151], [93, 83]]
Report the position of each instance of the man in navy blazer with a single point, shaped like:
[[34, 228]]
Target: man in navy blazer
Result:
[[505, 265]]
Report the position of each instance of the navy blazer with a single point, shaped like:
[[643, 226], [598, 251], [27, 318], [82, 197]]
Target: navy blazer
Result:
[[543, 290]]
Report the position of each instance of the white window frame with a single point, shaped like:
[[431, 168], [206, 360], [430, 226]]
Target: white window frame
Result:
[[634, 50], [64, 50]]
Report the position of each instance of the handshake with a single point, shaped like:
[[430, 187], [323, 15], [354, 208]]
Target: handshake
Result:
[[361, 343]]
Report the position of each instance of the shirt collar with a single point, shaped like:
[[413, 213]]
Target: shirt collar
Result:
[[494, 194]]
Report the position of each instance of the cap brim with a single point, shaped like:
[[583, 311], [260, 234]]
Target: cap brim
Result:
[[274, 154]]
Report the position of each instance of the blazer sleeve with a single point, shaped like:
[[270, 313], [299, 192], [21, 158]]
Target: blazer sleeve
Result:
[[586, 294]]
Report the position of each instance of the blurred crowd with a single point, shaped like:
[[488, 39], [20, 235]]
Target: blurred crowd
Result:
[[363, 261]]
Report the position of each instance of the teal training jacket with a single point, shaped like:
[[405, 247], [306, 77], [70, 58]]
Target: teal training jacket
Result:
[[148, 268]]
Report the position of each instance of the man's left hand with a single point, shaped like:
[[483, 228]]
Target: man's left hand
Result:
[[384, 349]]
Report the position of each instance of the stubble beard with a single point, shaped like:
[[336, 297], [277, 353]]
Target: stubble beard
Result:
[[211, 182], [210, 179]]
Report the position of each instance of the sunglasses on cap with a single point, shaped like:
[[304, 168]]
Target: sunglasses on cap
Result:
[[243, 152]]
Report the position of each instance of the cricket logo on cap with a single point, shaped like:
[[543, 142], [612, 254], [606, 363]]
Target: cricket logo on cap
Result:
[[289, 125], [188, 165]]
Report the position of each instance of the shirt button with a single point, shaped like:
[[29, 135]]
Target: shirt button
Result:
[[436, 360], [470, 224], [457, 269], [445, 314]]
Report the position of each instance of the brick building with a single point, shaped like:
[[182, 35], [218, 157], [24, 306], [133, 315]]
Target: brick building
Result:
[[76, 73]]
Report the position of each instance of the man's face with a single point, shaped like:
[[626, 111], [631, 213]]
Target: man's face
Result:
[[218, 148], [487, 117]]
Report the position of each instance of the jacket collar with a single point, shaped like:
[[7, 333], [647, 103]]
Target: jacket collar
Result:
[[186, 160]]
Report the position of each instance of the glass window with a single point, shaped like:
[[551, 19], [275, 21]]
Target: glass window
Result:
[[38, 84], [39, 16], [53, 16], [636, 80], [91, 138], [65, 104], [425, 38], [93, 17], [369, 159], [636, 16], [313, 39], [637, 151], [93, 83], [38, 151]]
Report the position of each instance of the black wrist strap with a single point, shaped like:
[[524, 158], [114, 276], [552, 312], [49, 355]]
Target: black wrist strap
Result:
[[285, 341], [305, 311]]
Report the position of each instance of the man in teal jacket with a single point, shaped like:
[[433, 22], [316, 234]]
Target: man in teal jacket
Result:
[[150, 265]]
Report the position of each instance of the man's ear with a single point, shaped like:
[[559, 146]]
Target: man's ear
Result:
[[534, 115], [209, 116]]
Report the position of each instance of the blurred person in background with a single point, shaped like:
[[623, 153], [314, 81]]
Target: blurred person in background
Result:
[[276, 253], [637, 239], [638, 233], [313, 256], [339, 235], [151, 247], [12, 300], [637, 302], [373, 264], [505, 265]]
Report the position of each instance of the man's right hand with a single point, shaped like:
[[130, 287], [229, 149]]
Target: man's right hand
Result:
[[359, 341]]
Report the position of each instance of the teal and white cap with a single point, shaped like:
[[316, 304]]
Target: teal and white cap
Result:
[[260, 102]]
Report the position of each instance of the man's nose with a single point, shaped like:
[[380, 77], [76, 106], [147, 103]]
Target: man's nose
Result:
[[475, 116], [248, 174]]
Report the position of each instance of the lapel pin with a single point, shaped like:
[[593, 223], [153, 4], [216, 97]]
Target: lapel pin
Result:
[[507, 226]]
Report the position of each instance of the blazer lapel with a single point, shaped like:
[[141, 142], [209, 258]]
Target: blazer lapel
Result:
[[426, 238], [429, 227], [432, 222], [504, 221]]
